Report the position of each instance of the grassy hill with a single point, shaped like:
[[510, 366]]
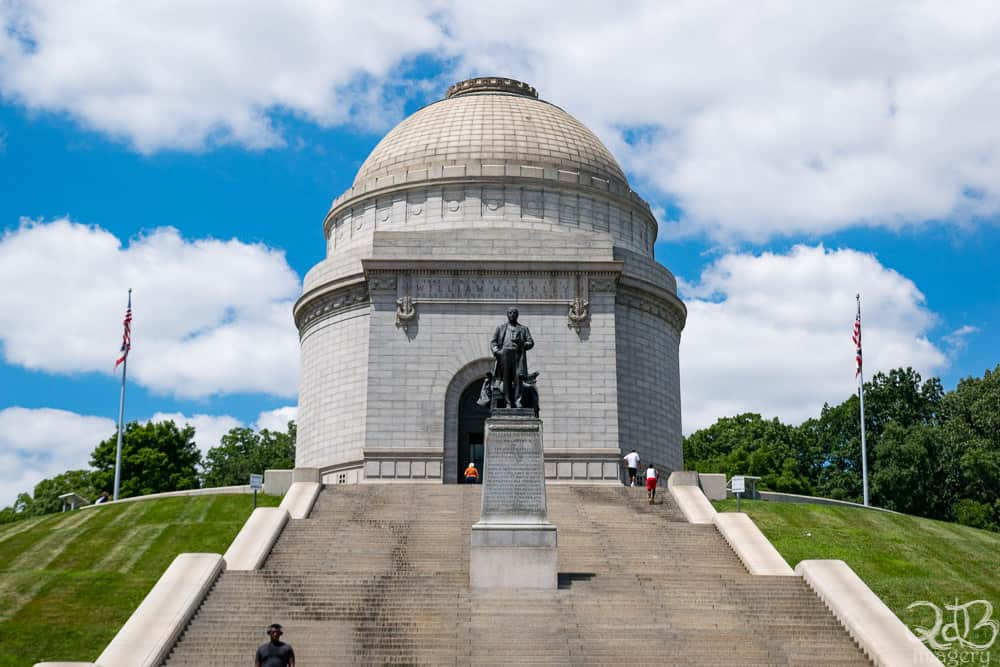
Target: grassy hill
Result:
[[69, 581], [902, 558]]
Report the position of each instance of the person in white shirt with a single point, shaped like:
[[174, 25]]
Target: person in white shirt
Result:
[[632, 462], [651, 483]]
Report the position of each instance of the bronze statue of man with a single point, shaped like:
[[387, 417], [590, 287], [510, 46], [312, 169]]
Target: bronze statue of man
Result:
[[509, 345]]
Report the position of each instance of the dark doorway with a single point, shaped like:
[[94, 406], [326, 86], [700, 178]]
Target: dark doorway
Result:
[[471, 430]]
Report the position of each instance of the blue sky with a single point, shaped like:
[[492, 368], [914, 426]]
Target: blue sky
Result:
[[794, 158]]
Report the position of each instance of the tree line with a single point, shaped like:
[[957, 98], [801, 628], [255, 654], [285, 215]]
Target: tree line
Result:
[[158, 457], [930, 452]]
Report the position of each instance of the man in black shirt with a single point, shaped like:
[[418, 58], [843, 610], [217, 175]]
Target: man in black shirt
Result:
[[275, 653]]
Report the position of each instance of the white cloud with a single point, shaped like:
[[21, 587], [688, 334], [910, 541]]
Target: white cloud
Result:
[[209, 316], [756, 118], [771, 118], [208, 429], [185, 74], [771, 333], [957, 340], [39, 443], [277, 420]]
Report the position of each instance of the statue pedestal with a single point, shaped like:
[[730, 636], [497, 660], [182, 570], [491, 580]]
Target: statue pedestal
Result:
[[513, 544]]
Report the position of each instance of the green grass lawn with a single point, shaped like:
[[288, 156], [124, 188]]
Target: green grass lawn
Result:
[[69, 581], [902, 558]]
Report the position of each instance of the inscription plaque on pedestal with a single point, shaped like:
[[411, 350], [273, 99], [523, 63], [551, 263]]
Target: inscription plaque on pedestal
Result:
[[513, 543], [514, 476]]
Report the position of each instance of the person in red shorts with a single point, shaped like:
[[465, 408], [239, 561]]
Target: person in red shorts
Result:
[[651, 483]]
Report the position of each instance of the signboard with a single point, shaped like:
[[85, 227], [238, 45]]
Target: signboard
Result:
[[256, 482], [737, 484]]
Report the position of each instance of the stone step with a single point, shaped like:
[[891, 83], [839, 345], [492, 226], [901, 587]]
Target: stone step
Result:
[[379, 574]]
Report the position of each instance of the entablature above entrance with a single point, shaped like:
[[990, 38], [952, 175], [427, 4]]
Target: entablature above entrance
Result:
[[416, 281], [411, 282]]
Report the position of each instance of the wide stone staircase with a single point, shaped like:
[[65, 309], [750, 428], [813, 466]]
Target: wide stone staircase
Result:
[[378, 574]]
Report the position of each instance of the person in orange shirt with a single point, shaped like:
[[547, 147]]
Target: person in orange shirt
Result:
[[471, 474]]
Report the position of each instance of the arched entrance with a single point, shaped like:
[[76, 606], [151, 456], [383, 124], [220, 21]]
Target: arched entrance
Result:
[[471, 429], [463, 419]]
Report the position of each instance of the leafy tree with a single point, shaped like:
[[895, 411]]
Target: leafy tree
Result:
[[750, 445], [930, 452], [913, 473], [833, 451], [834, 439], [47, 492], [156, 457], [19, 510], [898, 397], [978, 515], [24, 504], [46, 498], [243, 451], [970, 431]]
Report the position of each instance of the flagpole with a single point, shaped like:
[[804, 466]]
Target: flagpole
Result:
[[861, 398], [121, 411], [121, 417]]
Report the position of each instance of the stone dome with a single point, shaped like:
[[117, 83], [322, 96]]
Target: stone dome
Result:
[[491, 121]]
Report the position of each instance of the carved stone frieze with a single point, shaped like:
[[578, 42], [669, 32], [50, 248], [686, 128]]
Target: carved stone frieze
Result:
[[419, 206], [493, 200], [415, 204], [362, 217], [531, 204], [602, 284], [647, 302], [501, 287], [384, 210], [330, 304], [452, 201], [382, 283]]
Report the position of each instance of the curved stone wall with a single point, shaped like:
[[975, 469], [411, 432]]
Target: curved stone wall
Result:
[[649, 402], [499, 204], [333, 382]]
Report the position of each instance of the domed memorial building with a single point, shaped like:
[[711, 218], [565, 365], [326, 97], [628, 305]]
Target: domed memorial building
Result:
[[487, 199]]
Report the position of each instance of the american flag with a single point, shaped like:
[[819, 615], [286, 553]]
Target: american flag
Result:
[[127, 334], [857, 340]]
